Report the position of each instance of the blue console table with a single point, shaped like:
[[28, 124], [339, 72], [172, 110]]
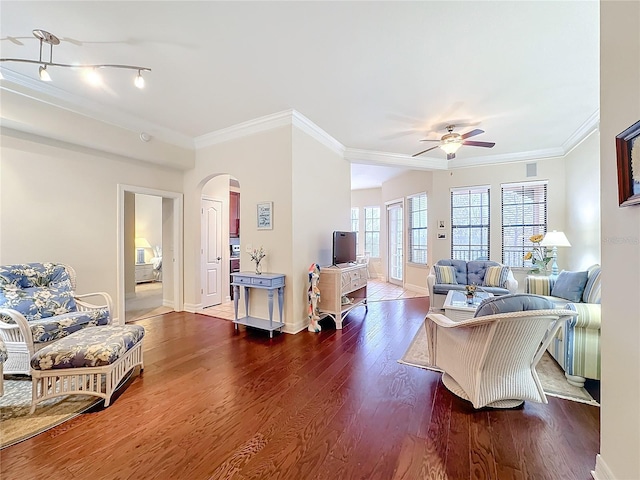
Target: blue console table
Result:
[[264, 281]]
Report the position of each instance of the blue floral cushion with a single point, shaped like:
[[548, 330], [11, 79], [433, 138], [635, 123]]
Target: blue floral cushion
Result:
[[3, 353], [53, 328], [36, 290], [90, 347]]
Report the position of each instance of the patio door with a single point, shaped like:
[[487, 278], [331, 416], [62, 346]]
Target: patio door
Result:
[[395, 242]]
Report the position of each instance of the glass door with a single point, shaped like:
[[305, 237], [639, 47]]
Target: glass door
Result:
[[396, 242]]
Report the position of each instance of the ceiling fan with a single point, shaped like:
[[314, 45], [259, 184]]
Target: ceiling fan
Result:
[[451, 142]]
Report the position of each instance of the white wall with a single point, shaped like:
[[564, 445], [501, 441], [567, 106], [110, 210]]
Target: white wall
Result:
[[58, 204], [149, 222], [620, 341], [582, 199], [321, 201]]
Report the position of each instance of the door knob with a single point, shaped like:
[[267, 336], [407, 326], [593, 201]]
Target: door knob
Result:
[[219, 258]]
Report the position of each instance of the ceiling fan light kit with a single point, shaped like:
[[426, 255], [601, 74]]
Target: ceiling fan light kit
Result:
[[92, 76]]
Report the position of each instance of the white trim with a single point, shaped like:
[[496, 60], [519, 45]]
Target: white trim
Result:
[[192, 307], [507, 158], [602, 470], [592, 124], [388, 159], [178, 253], [167, 303], [314, 131], [522, 184], [89, 108], [296, 327]]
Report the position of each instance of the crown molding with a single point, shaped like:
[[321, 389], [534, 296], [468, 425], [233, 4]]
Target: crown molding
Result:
[[250, 127], [44, 92], [314, 131], [269, 122], [590, 125], [507, 158], [387, 159]]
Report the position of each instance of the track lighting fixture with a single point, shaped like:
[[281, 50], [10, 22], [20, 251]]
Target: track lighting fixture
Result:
[[51, 40]]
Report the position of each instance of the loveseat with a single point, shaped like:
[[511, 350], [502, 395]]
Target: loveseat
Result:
[[38, 305], [576, 347], [500, 280]]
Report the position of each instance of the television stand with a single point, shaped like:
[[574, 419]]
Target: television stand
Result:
[[338, 281]]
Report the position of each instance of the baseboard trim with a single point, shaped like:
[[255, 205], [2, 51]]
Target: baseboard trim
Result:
[[192, 307], [602, 471], [167, 303]]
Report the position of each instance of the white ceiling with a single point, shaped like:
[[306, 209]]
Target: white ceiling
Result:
[[376, 76]]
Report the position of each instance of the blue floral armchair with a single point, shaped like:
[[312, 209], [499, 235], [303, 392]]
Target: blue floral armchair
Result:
[[38, 305]]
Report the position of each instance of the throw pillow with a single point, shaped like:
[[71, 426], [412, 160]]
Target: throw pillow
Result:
[[496, 277], [515, 302], [570, 285], [445, 275]]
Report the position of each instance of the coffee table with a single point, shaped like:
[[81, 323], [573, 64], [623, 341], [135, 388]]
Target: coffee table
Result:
[[456, 306]]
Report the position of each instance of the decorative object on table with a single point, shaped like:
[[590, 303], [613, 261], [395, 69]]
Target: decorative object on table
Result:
[[554, 239], [470, 292], [628, 156], [256, 256], [539, 256], [314, 298], [265, 215]]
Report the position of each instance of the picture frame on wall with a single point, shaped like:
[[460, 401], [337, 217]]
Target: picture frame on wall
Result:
[[442, 236], [265, 215], [628, 158]]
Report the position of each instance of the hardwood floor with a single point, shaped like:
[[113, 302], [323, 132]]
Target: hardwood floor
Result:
[[213, 403]]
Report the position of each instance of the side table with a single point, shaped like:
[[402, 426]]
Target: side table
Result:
[[264, 281]]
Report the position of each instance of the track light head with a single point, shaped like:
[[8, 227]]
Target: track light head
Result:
[[139, 81], [44, 75]]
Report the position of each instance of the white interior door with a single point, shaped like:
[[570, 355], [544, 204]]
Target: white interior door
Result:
[[395, 243], [211, 252]]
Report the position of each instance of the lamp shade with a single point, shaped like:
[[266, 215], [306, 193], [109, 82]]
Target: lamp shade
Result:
[[451, 147], [142, 242], [555, 239]]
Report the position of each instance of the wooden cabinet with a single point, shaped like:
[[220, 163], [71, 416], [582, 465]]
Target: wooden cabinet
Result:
[[341, 290], [234, 214]]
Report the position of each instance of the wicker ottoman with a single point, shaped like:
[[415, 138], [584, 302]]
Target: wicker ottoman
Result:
[[91, 361]]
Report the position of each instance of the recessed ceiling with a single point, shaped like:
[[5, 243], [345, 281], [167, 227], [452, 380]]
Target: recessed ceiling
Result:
[[376, 76]]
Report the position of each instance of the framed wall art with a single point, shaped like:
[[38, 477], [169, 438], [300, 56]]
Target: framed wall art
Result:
[[265, 215], [628, 156]]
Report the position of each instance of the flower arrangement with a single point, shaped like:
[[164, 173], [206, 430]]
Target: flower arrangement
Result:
[[470, 290], [257, 255], [538, 255]]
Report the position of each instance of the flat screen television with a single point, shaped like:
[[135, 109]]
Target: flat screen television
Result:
[[344, 247]]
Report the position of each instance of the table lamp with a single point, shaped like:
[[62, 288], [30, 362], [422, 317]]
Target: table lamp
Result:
[[141, 244], [554, 239]]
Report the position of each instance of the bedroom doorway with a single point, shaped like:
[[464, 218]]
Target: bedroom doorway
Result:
[[148, 268]]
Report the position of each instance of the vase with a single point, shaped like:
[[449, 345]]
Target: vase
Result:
[[470, 299], [258, 268]]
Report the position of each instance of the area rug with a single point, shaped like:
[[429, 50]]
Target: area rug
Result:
[[550, 374], [16, 424]]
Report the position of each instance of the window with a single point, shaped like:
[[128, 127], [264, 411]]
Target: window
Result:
[[355, 224], [470, 223], [372, 231], [524, 213], [418, 228]]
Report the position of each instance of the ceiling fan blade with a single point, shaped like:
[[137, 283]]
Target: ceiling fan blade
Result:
[[451, 156], [430, 140], [472, 133], [472, 143], [425, 151]]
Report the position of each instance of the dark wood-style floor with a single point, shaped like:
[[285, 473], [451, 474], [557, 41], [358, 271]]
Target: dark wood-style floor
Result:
[[216, 404]]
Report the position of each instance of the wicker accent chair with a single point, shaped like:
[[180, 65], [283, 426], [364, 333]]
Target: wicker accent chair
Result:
[[491, 359], [38, 305]]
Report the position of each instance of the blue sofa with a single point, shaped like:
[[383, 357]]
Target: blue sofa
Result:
[[38, 305], [576, 347], [467, 273]]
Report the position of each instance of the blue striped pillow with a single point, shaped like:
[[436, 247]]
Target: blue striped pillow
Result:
[[445, 275], [592, 289], [496, 276]]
